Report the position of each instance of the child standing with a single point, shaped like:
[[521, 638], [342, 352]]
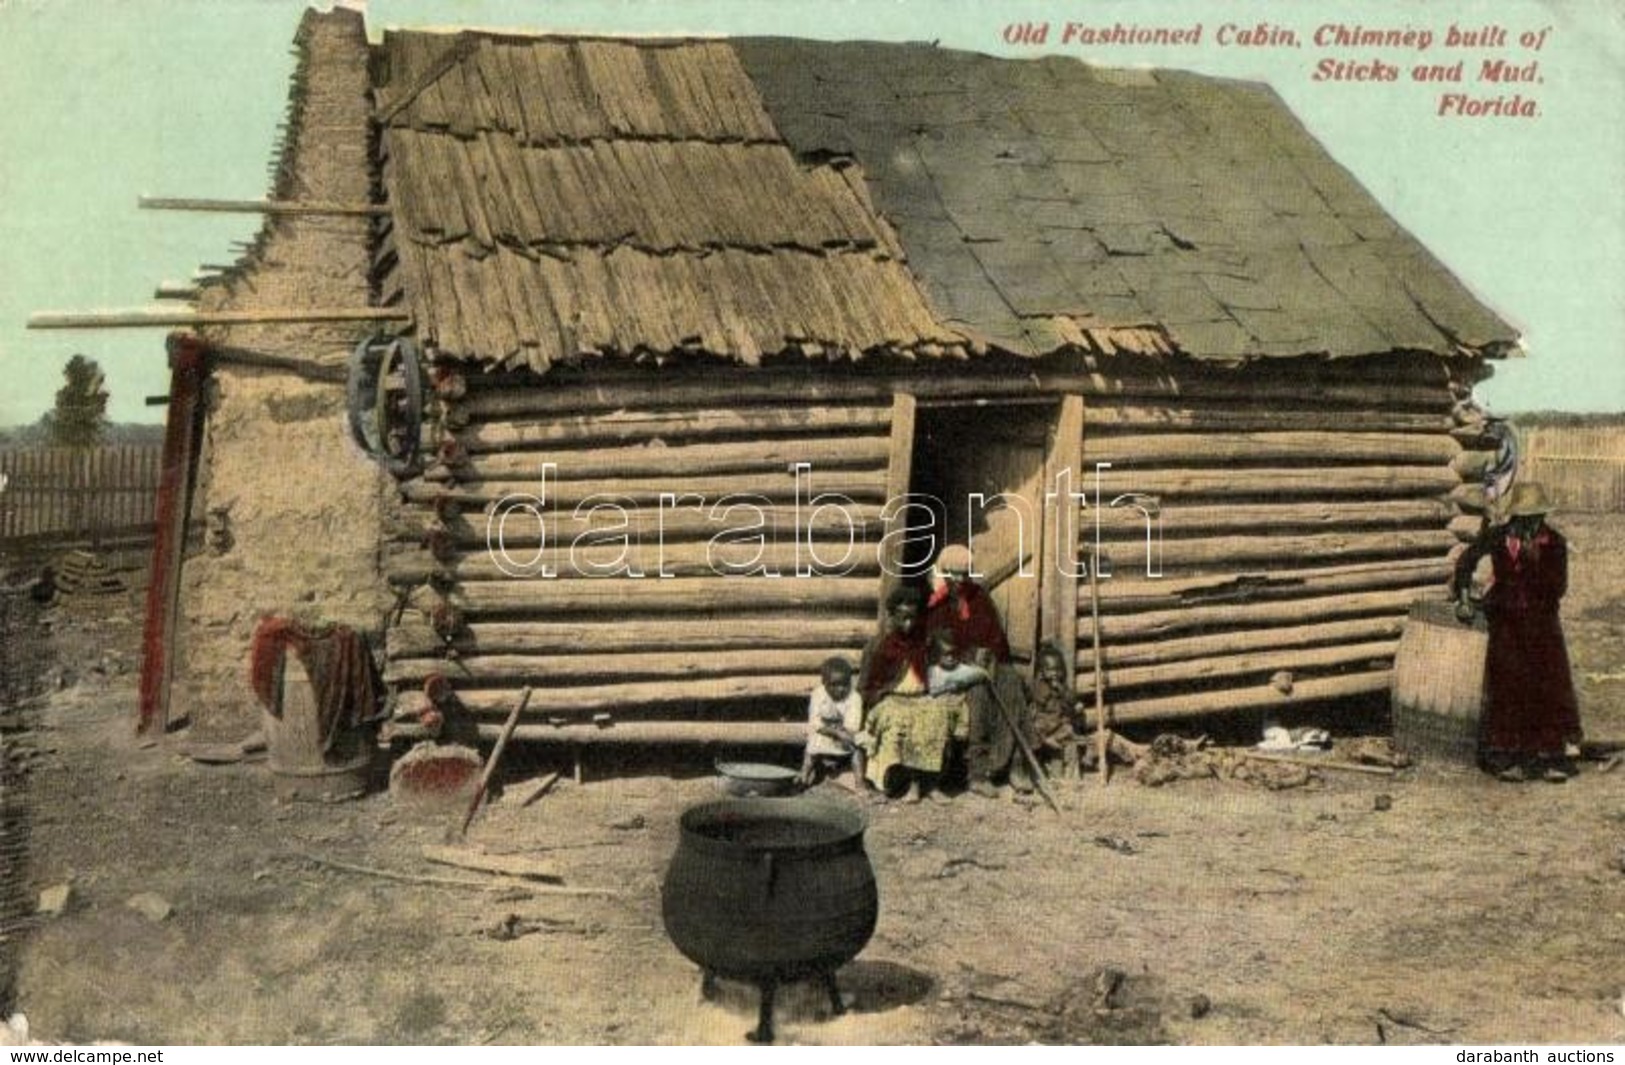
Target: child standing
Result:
[[834, 725]]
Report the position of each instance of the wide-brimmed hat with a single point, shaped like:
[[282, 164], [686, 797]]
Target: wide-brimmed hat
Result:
[[955, 559], [1526, 500]]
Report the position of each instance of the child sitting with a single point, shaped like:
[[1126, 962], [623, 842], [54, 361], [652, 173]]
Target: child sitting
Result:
[[1057, 719], [834, 725]]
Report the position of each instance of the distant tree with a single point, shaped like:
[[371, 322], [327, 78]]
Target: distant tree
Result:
[[80, 415]]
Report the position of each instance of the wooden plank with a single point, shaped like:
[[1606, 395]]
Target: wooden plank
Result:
[[727, 733], [188, 362], [864, 486], [745, 594], [899, 477], [1355, 630], [494, 399], [622, 427], [696, 634], [1277, 516], [579, 702], [1327, 447], [613, 666], [673, 525], [1201, 671], [1058, 615], [1128, 591], [162, 317], [593, 560], [1367, 481], [266, 207], [1126, 552], [1252, 697], [1106, 419]]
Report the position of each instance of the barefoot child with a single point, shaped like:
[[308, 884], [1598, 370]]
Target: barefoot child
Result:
[[834, 725]]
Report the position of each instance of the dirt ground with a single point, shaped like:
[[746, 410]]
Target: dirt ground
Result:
[[1202, 912]]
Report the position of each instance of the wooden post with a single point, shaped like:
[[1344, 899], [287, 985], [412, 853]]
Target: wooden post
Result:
[[187, 360], [899, 474]]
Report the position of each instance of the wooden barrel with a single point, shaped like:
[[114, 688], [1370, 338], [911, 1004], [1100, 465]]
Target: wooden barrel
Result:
[[301, 771], [1438, 685]]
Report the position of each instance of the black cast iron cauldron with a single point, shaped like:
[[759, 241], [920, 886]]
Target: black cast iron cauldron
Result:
[[771, 891]]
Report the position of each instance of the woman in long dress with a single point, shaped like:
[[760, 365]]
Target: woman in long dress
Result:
[[909, 730]]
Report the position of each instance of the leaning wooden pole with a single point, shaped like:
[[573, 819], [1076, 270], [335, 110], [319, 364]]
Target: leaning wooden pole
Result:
[[1102, 734]]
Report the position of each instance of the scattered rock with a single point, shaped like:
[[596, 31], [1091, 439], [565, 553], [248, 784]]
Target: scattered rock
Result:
[[1201, 1006], [152, 906], [630, 824], [1116, 843], [1383, 802], [54, 900]]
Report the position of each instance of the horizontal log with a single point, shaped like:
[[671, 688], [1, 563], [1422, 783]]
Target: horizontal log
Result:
[[510, 396], [682, 460], [1107, 417], [1357, 630], [675, 733], [1213, 667], [643, 523], [1327, 447], [644, 665], [632, 633], [705, 594], [623, 427], [1157, 623], [590, 561], [1252, 697], [1369, 481], [1138, 592], [575, 702], [861, 485], [1125, 552], [1180, 520]]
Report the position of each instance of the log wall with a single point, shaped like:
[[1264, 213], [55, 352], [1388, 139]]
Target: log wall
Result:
[[650, 580], [1293, 529], [1288, 540]]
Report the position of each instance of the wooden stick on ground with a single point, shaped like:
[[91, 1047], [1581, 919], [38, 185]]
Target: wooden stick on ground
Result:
[[1102, 733], [495, 883], [496, 756], [1319, 763]]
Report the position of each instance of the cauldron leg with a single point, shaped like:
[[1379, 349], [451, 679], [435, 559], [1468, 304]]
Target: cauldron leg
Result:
[[708, 984], [836, 1006], [763, 1032]]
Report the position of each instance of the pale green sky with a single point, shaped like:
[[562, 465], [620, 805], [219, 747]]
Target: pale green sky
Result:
[[109, 99]]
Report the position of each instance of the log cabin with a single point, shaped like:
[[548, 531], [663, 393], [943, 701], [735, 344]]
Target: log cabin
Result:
[[722, 337]]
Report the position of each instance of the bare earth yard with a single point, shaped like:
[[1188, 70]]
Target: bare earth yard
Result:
[[1468, 911]]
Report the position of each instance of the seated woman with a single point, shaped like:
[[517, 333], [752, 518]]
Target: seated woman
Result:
[[908, 730]]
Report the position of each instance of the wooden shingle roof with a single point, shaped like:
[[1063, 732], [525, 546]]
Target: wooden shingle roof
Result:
[[561, 198]]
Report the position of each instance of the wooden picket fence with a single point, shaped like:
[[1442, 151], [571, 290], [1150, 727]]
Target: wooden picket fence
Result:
[[79, 494], [1582, 467]]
